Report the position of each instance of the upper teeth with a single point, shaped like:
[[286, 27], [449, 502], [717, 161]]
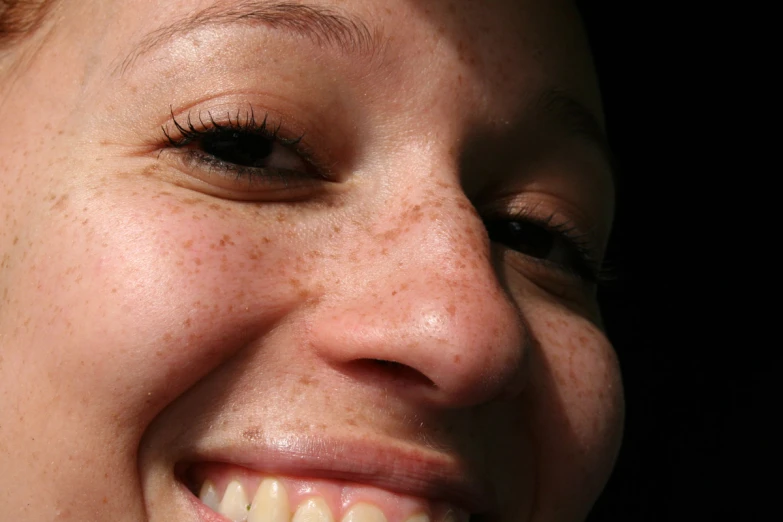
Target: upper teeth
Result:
[[313, 510], [234, 504], [271, 504]]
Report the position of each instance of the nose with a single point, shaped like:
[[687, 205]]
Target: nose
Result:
[[422, 309]]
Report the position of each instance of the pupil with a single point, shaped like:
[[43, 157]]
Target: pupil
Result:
[[238, 148], [527, 238]]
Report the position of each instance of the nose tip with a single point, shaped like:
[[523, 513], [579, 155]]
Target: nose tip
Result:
[[450, 352], [429, 319]]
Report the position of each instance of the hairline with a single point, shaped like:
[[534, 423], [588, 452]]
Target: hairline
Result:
[[19, 19]]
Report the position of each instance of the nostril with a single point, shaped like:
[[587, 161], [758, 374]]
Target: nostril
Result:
[[392, 370]]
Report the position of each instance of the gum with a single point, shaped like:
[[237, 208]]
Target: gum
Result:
[[339, 495]]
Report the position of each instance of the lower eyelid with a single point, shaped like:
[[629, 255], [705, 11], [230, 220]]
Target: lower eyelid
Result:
[[562, 284], [226, 182]]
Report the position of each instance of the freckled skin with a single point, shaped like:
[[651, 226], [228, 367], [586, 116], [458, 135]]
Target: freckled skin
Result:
[[141, 313]]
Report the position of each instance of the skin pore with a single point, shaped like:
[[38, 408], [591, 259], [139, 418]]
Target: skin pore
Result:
[[397, 299]]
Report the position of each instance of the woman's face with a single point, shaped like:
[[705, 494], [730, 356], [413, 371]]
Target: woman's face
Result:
[[349, 244]]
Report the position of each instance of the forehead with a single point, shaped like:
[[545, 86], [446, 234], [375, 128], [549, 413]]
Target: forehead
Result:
[[500, 50]]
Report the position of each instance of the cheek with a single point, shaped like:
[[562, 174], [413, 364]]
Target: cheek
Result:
[[124, 302], [576, 406]]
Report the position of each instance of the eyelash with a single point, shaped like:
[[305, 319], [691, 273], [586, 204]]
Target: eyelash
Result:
[[578, 244], [190, 132]]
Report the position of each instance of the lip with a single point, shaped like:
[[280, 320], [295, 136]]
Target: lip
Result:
[[394, 466]]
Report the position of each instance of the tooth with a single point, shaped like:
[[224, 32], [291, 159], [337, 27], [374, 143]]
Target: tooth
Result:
[[313, 510], [234, 504], [270, 503], [364, 513], [421, 517], [209, 495]]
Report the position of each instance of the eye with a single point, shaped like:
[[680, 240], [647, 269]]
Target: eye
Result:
[[558, 246], [240, 148], [250, 149], [526, 238]]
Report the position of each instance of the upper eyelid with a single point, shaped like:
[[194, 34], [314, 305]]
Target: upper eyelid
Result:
[[189, 129], [229, 107], [277, 131]]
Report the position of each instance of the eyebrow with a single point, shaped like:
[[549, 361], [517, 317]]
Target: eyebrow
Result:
[[324, 26], [577, 120]]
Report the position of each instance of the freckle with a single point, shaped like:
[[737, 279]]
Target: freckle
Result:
[[457, 359], [60, 204], [307, 381], [197, 261], [266, 240], [188, 243], [151, 170], [167, 337], [187, 322], [16, 239]]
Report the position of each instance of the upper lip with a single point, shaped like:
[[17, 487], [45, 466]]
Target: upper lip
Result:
[[392, 465]]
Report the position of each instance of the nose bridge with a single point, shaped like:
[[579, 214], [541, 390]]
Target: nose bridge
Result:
[[426, 297], [436, 227]]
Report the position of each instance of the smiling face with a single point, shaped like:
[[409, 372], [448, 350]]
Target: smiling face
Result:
[[339, 252]]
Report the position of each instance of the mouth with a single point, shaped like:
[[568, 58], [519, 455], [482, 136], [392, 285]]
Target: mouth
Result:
[[363, 485]]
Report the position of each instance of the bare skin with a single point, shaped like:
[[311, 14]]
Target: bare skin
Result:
[[158, 308]]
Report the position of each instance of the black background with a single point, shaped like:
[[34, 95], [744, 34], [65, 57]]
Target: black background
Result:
[[698, 373]]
